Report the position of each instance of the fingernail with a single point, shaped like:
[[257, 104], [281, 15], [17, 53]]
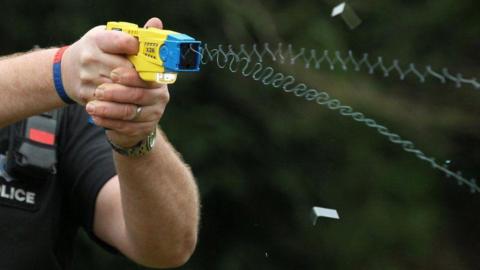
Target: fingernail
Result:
[[90, 107], [114, 76], [99, 92]]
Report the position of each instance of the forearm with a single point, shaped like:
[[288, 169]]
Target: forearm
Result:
[[26, 85], [160, 204]]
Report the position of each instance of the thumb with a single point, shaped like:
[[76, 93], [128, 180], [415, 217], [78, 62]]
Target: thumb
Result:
[[154, 22]]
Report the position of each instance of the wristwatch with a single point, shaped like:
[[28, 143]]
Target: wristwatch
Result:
[[137, 150]]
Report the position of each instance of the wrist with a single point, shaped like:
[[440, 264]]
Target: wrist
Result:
[[138, 149], [58, 76], [124, 140]]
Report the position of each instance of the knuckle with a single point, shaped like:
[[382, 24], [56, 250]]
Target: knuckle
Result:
[[102, 110], [165, 96], [121, 41], [83, 95], [96, 36], [107, 93], [162, 95], [95, 33], [127, 112], [85, 76], [137, 95], [87, 57], [157, 113], [128, 76]]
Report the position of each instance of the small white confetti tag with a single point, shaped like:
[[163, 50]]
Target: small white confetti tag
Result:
[[323, 212]]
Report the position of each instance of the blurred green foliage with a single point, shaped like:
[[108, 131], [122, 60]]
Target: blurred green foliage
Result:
[[263, 158]]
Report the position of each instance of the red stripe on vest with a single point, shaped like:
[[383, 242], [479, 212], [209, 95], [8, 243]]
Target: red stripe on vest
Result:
[[41, 136]]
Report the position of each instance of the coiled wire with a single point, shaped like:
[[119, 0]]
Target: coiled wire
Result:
[[242, 62], [315, 59]]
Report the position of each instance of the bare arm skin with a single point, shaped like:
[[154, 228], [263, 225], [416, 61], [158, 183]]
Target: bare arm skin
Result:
[[155, 222], [26, 86], [150, 211]]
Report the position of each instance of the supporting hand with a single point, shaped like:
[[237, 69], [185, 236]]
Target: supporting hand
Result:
[[127, 106]]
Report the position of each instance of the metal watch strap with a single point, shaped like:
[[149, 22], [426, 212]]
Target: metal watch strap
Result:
[[137, 150]]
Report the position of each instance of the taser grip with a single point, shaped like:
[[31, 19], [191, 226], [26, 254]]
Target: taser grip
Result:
[[162, 53]]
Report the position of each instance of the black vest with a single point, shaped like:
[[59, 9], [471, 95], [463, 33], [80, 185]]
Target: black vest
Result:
[[28, 158]]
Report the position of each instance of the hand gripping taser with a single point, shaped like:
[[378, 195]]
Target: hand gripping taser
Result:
[[161, 53]]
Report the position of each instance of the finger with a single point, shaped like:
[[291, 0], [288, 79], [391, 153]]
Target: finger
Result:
[[130, 77], [132, 129], [108, 62], [112, 61], [154, 22], [116, 42], [119, 93], [95, 75], [87, 92], [125, 112]]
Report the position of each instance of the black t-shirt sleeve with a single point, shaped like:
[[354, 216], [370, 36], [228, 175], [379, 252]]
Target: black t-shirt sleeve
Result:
[[85, 164]]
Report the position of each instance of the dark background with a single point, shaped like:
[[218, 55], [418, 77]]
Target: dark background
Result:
[[262, 158]]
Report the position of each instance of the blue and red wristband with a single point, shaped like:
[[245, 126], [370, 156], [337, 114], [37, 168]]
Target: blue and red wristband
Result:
[[57, 76]]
